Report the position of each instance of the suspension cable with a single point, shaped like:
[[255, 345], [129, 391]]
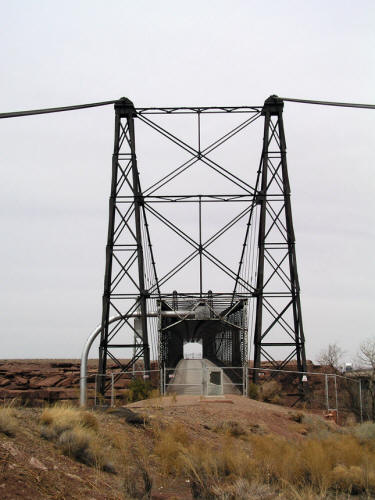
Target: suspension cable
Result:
[[330, 103], [15, 114]]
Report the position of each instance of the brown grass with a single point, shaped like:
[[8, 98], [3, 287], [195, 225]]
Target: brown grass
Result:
[[231, 428], [169, 442], [8, 420], [62, 417], [137, 477], [269, 391], [134, 461], [76, 433], [336, 463], [232, 463], [365, 432]]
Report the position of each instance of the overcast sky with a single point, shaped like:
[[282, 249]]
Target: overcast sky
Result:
[[55, 169]]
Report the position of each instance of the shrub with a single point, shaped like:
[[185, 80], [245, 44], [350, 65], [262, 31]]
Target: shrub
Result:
[[270, 391], [211, 470], [169, 443], [137, 477], [8, 421], [244, 490], [76, 434], [270, 466], [252, 391], [63, 417], [231, 428], [297, 417], [76, 443], [318, 427], [365, 432], [349, 479], [139, 389]]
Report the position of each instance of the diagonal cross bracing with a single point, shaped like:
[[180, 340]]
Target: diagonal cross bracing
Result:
[[264, 272]]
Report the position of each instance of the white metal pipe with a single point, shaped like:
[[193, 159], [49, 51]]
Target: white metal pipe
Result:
[[98, 329], [84, 357]]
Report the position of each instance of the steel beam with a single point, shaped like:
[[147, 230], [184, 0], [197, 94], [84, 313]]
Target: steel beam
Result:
[[279, 256]]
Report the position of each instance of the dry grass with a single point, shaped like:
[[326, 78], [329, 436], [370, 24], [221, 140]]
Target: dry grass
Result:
[[365, 432], [63, 417], [318, 427], [8, 419], [242, 489], [270, 391], [335, 463], [212, 470], [137, 477], [231, 428], [314, 462], [233, 463], [76, 433], [174, 397], [134, 461], [169, 442]]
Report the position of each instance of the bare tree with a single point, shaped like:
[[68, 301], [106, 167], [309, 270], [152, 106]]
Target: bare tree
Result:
[[331, 356], [366, 357], [367, 353]]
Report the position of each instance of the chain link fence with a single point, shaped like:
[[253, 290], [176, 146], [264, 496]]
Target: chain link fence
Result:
[[205, 381], [122, 388], [336, 396]]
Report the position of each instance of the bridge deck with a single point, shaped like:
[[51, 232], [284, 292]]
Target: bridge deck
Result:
[[190, 373]]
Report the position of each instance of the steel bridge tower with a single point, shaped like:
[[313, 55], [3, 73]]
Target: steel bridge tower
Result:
[[277, 291], [132, 288]]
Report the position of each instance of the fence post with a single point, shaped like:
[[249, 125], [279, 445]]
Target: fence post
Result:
[[327, 398], [337, 406], [96, 388], [164, 381], [112, 390], [360, 400]]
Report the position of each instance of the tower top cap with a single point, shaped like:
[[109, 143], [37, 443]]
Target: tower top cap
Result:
[[273, 105], [125, 107]]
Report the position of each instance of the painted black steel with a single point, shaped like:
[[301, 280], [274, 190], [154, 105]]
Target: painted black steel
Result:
[[124, 172], [285, 316], [265, 208]]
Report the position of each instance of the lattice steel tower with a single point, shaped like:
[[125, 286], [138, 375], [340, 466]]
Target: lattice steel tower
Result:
[[278, 307], [132, 288]]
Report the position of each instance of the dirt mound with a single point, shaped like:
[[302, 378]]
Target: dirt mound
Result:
[[203, 415]]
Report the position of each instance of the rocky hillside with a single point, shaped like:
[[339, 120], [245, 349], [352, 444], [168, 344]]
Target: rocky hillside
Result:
[[182, 447]]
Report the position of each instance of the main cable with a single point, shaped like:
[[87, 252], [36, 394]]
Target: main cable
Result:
[[330, 103], [31, 112], [15, 114]]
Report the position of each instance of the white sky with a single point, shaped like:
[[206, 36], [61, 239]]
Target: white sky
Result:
[[55, 169]]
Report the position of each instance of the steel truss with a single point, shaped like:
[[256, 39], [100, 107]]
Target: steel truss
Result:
[[224, 323], [278, 291], [132, 283]]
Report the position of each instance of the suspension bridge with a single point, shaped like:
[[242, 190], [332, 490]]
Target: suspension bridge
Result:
[[200, 243]]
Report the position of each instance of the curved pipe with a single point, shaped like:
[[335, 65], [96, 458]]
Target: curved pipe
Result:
[[84, 357], [95, 333]]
